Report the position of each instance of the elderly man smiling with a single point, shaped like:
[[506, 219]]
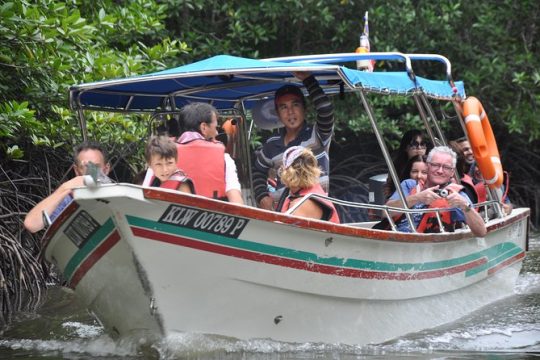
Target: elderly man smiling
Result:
[[441, 164]]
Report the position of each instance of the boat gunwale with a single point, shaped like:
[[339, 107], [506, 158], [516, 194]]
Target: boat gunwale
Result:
[[209, 204]]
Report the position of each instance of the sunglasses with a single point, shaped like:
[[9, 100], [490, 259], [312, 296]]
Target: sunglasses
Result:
[[417, 145]]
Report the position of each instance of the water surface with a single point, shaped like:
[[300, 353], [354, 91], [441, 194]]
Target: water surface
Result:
[[507, 329]]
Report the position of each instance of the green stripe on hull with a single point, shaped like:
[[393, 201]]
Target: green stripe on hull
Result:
[[494, 255]]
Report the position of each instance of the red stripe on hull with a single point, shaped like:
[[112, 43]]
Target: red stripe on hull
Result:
[[312, 224], [506, 263], [299, 264], [87, 264]]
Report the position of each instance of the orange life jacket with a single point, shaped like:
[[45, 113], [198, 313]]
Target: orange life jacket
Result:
[[329, 210], [429, 222], [204, 162]]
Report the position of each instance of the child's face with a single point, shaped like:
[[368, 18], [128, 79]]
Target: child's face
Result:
[[162, 167]]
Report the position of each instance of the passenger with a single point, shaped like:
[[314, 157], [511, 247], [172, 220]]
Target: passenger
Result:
[[300, 175], [53, 204], [475, 192], [471, 178], [204, 159], [291, 107], [441, 164], [463, 147], [161, 156], [416, 169], [482, 189], [412, 144]]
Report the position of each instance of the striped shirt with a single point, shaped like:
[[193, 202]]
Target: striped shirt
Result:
[[317, 137]]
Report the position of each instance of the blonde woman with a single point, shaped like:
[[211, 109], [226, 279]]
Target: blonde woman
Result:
[[300, 175]]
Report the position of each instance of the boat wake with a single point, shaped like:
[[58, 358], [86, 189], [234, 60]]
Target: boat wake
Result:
[[510, 326], [98, 346]]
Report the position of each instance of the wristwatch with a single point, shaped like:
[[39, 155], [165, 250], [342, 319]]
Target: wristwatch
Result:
[[468, 208]]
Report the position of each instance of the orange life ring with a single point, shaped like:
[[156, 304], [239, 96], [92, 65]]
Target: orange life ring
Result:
[[483, 142]]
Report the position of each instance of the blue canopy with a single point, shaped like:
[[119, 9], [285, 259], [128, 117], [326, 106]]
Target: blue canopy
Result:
[[225, 80]]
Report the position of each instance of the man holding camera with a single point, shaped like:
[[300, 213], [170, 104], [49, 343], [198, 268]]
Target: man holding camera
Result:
[[52, 205], [438, 192]]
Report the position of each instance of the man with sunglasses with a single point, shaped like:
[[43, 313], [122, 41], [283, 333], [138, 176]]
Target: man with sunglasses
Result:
[[441, 164]]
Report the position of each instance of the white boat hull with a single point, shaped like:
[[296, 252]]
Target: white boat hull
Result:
[[182, 263]]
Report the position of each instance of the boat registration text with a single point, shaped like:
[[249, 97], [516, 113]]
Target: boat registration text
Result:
[[207, 221]]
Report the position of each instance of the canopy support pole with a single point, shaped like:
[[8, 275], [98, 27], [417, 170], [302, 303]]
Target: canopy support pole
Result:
[[82, 119], [433, 117], [423, 116], [386, 154]]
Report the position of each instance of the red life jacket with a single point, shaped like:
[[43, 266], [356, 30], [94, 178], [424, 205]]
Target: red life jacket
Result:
[[329, 210], [479, 188], [429, 222], [173, 182], [204, 162], [177, 179]]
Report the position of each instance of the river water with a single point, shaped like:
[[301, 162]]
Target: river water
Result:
[[507, 329]]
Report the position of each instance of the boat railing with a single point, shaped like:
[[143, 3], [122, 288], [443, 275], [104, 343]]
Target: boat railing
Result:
[[387, 211], [344, 57], [376, 56]]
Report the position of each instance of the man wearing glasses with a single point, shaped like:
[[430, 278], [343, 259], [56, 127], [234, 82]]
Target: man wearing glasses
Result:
[[438, 192]]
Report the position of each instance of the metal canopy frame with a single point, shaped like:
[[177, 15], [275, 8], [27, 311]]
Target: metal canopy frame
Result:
[[333, 79]]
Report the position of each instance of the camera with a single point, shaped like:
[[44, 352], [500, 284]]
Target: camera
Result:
[[442, 192], [94, 176]]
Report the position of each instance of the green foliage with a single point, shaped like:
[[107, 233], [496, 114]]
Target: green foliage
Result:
[[47, 46]]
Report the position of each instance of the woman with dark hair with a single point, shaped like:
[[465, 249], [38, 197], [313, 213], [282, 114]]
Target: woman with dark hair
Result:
[[412, 144], [416, 169]]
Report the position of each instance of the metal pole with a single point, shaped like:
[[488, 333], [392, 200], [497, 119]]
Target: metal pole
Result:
[[386, 155], [82, 120], [423, 116], [245, 136], [433, 117]]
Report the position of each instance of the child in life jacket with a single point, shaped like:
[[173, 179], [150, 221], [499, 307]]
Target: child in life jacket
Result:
[[300, 175], [161, 156]]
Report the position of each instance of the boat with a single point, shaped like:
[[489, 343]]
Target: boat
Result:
[[152, 262]]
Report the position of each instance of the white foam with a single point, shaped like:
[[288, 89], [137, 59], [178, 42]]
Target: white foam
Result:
[[100, 346], [83, 330]]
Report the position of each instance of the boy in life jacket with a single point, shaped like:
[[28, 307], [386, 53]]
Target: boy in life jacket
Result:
[[161, 156], [300, 175], [441, 164]]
